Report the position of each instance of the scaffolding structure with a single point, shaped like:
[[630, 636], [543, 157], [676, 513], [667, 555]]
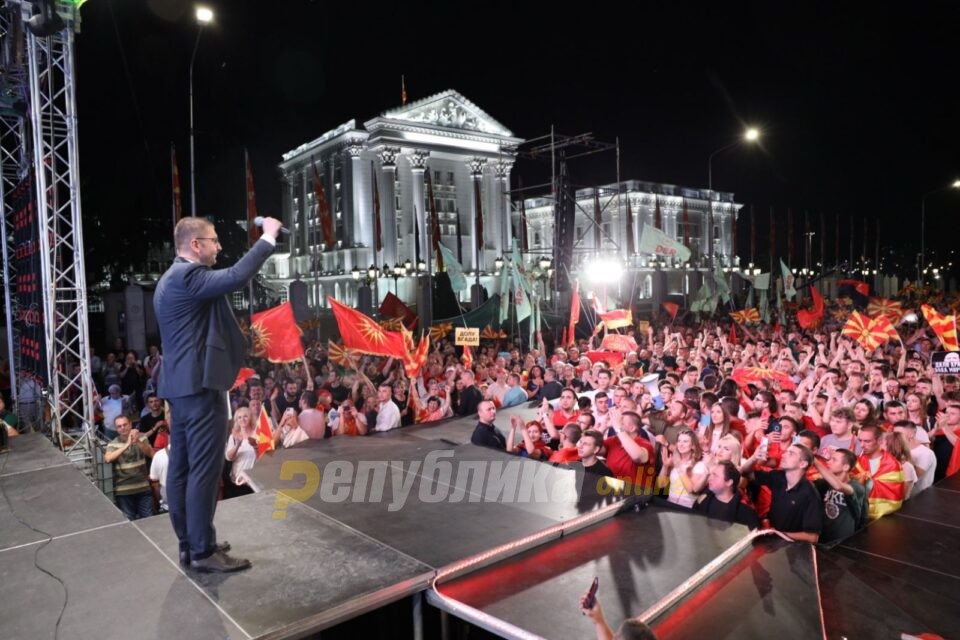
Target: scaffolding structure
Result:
[[47, 138]]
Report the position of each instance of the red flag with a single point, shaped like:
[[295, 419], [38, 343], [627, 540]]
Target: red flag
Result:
[[671, 308], [733, 334], [175, 181], [363, 334], [859, 286], [264, 433], [892, 309], [619, 342], [746, 316], [276, 335], [617, 318], [440, 331], [563, 340], [686, 225], [657, 221], [323, 211], [393, 307], [434, 224], [810, 319], [344, 356], [631, 244], [954, 465], [414, 361], [612, 358], [244, 375], [377, 230], [869, 332], [944, 326], [752, 375], [571, 330], [467, 358], [253, 232]]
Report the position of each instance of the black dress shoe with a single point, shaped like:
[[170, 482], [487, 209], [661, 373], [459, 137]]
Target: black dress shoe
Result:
[[185, 555], [219, 562]]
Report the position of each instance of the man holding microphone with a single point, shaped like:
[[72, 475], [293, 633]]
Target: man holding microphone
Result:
[[203, 349]]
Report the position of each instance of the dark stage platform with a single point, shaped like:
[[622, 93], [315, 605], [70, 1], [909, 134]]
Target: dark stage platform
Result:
[[373, 523]]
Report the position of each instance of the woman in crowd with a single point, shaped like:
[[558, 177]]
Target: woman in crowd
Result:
[[683, 469], [241, 453]]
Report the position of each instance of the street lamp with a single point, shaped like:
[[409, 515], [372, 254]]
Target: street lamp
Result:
[[204, 16], [751, 135], [923, 219], [498, 263], [421, 267]]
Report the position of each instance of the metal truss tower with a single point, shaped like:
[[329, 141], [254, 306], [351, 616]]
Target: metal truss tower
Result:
[[53, 143]]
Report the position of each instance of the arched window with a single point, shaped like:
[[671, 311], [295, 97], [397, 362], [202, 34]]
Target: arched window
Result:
[[648, 286]]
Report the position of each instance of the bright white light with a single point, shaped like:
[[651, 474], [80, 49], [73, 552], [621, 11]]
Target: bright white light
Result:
[[910, 317], [603, 271], [426, 138], [956, 184], [204, 15], [752, 134]]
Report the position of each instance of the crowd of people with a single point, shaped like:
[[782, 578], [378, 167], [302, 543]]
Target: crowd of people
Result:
[[844, 435]]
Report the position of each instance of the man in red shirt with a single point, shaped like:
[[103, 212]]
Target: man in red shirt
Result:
[[567, 411], [567, 451], [629, 455]]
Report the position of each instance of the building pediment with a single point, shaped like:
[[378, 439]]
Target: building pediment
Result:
[[449, 110]]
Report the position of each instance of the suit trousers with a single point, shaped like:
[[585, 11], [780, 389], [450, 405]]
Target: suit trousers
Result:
[[198, 437]]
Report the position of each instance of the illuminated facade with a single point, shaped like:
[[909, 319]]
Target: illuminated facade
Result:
[[444, 134]]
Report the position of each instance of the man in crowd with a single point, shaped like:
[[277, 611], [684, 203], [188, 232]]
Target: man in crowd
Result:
[[795, 508], [128, 453], [486, 433], [588, 446], [388, 413], [924, 459], [470, 396], [515, 394], [844, 499], [629, 455], [312, 421], [722, 501], [880, 472]]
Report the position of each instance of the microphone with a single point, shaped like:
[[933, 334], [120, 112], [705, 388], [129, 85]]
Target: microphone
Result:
[[259, 222]]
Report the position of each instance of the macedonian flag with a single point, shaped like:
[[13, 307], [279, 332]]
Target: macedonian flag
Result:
[[264, 433], [753, 375], [869, 332], [344, 356], [892, 309], [363, 334], [944, 326], [746, 316], [440, 331], [415, 359], [617, 318], [276, 335]]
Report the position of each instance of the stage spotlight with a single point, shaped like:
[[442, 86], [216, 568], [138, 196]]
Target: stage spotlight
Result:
[[45, 22], [603, 271]]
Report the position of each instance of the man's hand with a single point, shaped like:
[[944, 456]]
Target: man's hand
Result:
[[271, 227]]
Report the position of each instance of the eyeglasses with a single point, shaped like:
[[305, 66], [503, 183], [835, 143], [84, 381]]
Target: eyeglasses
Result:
[[214, 240]]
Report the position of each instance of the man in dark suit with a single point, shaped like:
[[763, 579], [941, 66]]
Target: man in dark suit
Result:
[[203, 349]]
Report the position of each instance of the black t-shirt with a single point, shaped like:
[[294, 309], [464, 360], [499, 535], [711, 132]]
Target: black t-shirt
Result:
[[733, 511], [486, 435], [283, 404], [550, 390], [147, 422], [599, 469], [338, 393], [470, 399], [792, 510]]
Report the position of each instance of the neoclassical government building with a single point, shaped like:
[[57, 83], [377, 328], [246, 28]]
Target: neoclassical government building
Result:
[[464, 149]]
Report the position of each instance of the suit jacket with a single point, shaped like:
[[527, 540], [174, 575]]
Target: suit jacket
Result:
[[203, 347]]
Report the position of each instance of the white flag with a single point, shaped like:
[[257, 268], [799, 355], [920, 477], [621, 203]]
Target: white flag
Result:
[[654, 241]]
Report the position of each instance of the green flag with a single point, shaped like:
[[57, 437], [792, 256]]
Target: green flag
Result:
[[764, 306], [702, 300], [518, 262], [534, 321], [520, 300], [788, 280], [748, 304], [458, 281], [504, 294], [723, 288]]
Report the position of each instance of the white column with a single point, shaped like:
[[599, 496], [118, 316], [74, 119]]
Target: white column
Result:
[[476, 184], [503, 168], [388, 203], [418, 164]]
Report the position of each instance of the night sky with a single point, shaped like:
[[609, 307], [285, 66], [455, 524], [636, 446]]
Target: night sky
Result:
[[857, 103]]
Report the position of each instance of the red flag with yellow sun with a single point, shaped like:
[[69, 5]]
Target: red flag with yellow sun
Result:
[[344, 356], [363, 334], [868, 332], [944, 326], [892, 309], [263, 434], [276, 335]]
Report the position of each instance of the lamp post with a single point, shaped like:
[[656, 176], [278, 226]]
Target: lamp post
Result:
[[364, 279], [204, 16], [752, 134], [923, 224]]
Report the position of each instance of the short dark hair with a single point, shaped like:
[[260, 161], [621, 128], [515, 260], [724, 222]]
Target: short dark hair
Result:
[[310, 397], [805, 453], [730, 472], [594, 435], [812, 436], [849, 458], [572, 430]]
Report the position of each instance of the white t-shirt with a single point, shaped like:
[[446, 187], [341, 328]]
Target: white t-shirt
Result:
[[924, 460], [246, 458], [678, 493], [909, 475], [158, 472]]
